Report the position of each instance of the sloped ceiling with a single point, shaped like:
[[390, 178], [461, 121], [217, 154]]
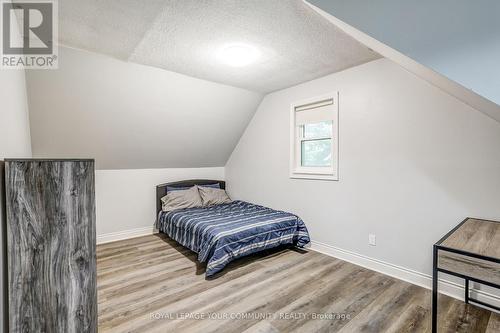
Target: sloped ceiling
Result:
[[457, 41], [130, 116], [295, 43], [184, 108]]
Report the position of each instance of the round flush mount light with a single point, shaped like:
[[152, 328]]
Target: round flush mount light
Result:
[[238, 54]]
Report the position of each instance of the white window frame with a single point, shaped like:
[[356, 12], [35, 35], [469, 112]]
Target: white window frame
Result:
[[321, 173]]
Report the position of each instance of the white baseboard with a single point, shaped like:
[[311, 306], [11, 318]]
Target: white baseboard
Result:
[[125, 234], [449, 288]]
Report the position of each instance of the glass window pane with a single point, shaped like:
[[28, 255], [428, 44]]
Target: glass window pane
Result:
[[316, 153], [318, 130]]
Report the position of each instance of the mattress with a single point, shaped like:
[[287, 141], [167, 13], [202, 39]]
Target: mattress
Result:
[[223, 233]]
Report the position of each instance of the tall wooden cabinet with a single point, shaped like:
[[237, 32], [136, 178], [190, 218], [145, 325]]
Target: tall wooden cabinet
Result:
[[51, 255], [3, 258]]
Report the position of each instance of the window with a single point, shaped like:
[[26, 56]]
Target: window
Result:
[[314, 138]]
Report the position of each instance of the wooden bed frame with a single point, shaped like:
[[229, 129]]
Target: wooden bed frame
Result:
[[161, 190]]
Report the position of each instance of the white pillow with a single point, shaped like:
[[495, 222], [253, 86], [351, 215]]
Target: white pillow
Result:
[[213, 196], [181, 199]]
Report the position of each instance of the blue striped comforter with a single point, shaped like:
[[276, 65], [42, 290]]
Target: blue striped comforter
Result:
[[222, 233]]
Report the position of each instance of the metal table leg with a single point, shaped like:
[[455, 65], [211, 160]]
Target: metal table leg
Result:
[[466, 291], [434, 289]]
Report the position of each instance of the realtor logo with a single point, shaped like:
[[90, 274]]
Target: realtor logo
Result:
[[29, 29]]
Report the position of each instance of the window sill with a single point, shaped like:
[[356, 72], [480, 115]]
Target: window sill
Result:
[[314, 176]]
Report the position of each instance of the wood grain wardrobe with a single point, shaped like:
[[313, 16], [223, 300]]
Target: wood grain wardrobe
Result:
[[49, 224]]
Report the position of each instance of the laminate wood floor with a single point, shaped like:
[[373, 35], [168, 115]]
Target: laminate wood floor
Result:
[[152, 284]]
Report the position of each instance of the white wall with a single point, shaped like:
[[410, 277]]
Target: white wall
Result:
[[126, 199], [130, 116], [414, 162], [457, 38], [14, 140]]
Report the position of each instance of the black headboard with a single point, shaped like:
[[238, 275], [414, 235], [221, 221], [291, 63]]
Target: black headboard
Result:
[[161, 190]]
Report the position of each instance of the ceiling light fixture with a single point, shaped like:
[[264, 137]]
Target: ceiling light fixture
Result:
[[238, 55]]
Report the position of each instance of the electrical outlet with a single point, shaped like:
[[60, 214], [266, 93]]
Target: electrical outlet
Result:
[[372, 239]]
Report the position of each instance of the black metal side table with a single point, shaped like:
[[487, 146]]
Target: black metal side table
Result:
[[470, 251]]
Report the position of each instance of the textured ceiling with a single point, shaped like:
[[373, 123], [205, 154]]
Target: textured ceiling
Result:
[[184, 36]]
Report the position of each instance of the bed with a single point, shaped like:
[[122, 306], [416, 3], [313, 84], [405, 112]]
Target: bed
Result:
[[222, 233]]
